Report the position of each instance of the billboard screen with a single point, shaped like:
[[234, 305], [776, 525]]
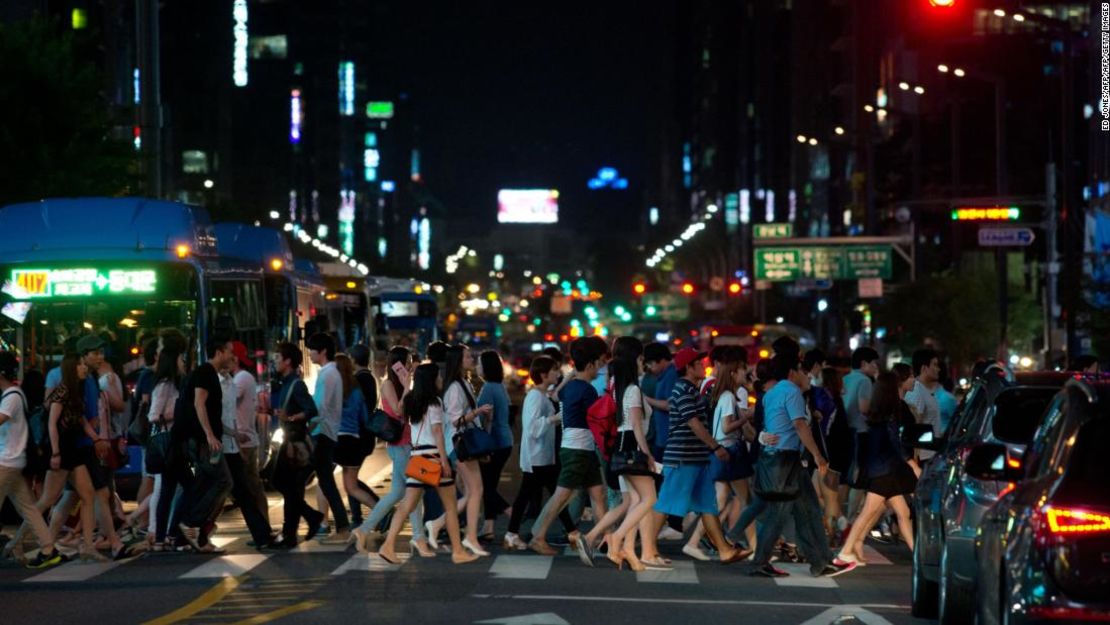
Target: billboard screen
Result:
[[527, 206]]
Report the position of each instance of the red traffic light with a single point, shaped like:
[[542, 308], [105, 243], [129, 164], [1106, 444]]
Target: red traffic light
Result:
[[735, 288], [687, 288], [639, 288]]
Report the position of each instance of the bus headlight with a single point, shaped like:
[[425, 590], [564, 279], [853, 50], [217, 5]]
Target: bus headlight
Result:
[[278, 436]]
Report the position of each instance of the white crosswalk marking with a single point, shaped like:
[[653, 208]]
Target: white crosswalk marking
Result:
[[227, 566], [683, 573], [369, 563], [522, 567], [315, 546], [801, 577], [74, 572], [872, 556]]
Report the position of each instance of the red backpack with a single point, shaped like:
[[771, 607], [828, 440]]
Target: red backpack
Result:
[[602, 419]]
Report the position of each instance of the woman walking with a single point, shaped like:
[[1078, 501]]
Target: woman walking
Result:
[[398, 373], [349, 452], [168, 372], [538, 448], [423, 410], [889, 476], [461, 411], [493, 393]]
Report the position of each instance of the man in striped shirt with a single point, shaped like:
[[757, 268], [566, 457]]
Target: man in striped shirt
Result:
[[687, 484]]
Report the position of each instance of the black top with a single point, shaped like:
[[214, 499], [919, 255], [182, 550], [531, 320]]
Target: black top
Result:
[[204, 377], [369, 388]]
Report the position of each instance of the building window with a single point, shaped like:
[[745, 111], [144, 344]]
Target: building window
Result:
[[194, 162], [269, 47]]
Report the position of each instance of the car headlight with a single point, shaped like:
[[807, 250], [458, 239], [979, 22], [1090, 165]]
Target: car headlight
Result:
[[278, 436]]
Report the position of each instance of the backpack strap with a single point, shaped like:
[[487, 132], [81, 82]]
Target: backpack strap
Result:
[[17, 391]]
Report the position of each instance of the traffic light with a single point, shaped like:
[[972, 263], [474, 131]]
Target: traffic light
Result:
[[639, 288], [735, 288], [688, 288]]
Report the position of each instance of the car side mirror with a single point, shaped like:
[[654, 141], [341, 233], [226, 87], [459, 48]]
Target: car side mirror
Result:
[[922, 436], [992, 462]]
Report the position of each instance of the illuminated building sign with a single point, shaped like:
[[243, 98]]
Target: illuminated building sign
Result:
[[347, 222], [346, 88], [424, 244], [241, 40], [379, 110], [992, 213], [84, 282], [296, 114]]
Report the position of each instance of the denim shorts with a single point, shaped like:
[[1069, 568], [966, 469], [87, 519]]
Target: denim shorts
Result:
[[687, 487]]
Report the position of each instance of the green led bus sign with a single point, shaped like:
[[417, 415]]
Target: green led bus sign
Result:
[[986, 213], [82, 282], [379, 110]]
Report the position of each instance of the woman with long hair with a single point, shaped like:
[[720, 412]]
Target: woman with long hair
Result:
[[349, 452], [423, 409], [398, 372], [731, 422], [838, 442], [168, 374], [493, 393], [67, 426], [634, 418], [888, 475], [461, 411]]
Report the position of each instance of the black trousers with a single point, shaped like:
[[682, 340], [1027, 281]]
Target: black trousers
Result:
[[290, 482], [493, 502], [258, 521], [532, 486], [324, 459]]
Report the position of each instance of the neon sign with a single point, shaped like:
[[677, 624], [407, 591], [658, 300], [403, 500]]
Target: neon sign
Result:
[[346, 88], [239, 34], [82, 282], [296, 114]]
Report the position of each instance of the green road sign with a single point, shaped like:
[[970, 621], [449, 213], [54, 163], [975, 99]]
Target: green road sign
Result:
[[666, 306], [772, 231], [819, 262]]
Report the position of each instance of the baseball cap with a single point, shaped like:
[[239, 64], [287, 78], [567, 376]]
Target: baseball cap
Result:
[[240, 351], [685, 356], [90, 343]]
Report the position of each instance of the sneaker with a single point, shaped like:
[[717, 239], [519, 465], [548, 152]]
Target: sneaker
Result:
[[323, 530], [695, 553], [42, 561], [585, 552], [838, 567], [768, 571], [669, 533]]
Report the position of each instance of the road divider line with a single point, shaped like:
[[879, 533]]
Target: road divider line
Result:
[[274, 615], [203, 602]]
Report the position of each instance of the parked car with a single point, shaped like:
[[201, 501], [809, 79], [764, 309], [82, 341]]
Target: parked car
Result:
[[1043, 553], [949, 503]]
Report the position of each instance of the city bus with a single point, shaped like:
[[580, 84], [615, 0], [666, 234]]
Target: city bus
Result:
[[348, 298], [404, 313]]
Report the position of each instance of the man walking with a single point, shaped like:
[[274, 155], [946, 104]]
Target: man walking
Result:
[[294, 407], [328, 396], [241, 446], [922, 399]]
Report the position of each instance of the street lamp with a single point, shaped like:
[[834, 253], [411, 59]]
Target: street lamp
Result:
[[959, 73], [801, 138], [839, 130]]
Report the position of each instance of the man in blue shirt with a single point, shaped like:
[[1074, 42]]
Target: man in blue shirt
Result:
[[786, 416], [658, 363]]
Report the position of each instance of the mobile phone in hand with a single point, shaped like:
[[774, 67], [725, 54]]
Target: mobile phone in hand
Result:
[[400, 370]]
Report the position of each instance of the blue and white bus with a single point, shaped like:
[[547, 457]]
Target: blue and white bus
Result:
[[404, 313]]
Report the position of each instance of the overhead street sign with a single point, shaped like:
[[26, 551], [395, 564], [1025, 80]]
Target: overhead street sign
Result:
[[818, 262], [1006, 237], [772, 231]]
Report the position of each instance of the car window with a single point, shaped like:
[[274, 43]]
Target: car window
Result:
[[1017, 413], [1087, 473], [970, 408], [1039, 455]]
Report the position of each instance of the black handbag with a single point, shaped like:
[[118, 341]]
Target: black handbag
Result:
[[473, 443], [778, 476], [386, 427], [630, 461], [159, 450]]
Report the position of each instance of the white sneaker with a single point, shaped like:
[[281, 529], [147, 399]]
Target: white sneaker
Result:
[[513, 542], [695, 553], [669, 533]]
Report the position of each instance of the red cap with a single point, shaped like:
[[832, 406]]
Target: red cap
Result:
[[241, 354], [685, 356]]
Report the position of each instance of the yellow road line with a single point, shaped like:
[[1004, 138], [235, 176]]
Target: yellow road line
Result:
[[203, 602], [276, 614]]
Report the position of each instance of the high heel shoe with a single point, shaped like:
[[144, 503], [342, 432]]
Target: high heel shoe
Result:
[[634, 563], [463, 559], [416, 549], [475, 549], [432, 531], [617, 558], [358, 539]]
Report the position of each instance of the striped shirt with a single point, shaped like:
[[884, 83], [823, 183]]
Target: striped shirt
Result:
[[682, 444]]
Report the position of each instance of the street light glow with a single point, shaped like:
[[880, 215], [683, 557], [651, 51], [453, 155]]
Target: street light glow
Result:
[[959, 72], [839, 130], [1000, 13], [919, 90], [813, 141], [904, 86], [868, 108], [942, 68], [801, 138], [1018, 17]]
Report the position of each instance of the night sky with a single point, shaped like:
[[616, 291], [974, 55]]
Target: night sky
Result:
[[531, 95]]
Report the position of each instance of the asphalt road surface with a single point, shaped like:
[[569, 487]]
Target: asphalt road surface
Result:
[[319, 583]]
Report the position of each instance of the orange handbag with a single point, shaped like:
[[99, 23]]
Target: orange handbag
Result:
[[424, 470]]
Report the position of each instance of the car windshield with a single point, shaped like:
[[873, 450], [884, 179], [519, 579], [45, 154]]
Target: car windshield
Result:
[[1087, 472]]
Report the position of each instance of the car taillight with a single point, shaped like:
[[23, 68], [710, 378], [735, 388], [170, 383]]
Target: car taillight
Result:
[[1056, 524]]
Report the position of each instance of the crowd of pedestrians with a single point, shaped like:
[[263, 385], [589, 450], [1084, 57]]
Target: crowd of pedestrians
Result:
[[783, 460]]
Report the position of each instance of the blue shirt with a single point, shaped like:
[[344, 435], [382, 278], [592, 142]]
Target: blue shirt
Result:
[[53, 378], [92, 409], [601, 381], [494, 393], [683, 445], [856, 385], [577, 397], [948, 406], [660, 419], [782, 405], [354, 413]]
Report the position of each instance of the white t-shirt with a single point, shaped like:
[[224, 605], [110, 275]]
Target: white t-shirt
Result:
[[227, 386], [537, 434], [110, 383], [246, 406], [162, 401], [727, 406], [455, 405], [633, 398], [924, 401], [423, 434], [13, 433]]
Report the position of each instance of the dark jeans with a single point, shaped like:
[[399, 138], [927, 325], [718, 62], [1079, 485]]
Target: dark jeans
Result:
[[290, 482], [494, 503], [532, 486], [176, 473], [210, 486], [324, 459], [247, 499], [806, 512]]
